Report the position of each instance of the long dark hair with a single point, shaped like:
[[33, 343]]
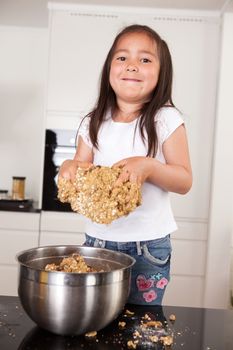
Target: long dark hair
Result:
[[161, 96]]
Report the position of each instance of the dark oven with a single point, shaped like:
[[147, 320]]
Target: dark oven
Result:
[[59, 146]]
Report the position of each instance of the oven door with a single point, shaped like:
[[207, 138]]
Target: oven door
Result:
[[59, 146]]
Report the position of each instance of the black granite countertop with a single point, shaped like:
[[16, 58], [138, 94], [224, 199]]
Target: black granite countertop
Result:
[[26, 205], [193, 329]]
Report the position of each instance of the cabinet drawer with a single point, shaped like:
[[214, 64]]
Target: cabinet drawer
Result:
[[12, 242], [184, 291], [59, 238], [19, 221], [188, 257], [9, 280], [62, 222]]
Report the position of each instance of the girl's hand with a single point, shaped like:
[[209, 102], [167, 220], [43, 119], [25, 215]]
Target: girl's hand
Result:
[[69, 167], [135, 169]]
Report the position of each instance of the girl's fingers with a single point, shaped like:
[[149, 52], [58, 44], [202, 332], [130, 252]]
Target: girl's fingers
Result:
[[125, 176], [85, 165], [73, 174], [73, 169], [65, 174], [134, 179], [69, 168], [121, 163]]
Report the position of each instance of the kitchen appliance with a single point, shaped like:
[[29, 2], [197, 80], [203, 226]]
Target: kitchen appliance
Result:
[[73, 303], [59, 146]]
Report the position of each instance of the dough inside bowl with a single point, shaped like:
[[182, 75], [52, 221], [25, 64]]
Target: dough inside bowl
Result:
[[72, 263]]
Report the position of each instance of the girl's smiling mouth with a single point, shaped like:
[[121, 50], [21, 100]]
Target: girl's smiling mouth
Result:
[[131, 79]]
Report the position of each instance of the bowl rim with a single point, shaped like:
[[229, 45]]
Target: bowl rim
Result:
[[25, 251]]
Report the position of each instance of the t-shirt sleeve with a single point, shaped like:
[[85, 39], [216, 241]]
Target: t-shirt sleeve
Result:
[[168, 120], [83, 131]]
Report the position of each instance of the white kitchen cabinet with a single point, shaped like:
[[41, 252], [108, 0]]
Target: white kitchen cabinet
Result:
[[18, 232], [188, 265], [185, 291], [77, 53], [61, 228]]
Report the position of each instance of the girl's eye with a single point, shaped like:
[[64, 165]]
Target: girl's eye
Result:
[[145, 60], [121, 58]]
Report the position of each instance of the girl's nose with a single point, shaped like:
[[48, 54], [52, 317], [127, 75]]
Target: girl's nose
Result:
[[132, 68]]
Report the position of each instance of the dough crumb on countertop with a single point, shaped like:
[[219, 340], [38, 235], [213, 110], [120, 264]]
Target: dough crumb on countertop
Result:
[[91, 334]]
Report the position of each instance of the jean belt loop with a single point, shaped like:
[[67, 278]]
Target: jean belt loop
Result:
[[139, 249], [96, 242], [99, 243]]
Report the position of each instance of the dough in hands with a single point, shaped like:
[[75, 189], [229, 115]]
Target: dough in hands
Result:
[[95, 195]]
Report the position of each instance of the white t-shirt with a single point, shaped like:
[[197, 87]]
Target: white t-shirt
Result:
[[153, 218]]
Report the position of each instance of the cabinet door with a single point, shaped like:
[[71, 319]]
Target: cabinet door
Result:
[[61, 228], [78, 45], [60, 238], [13, 242], [9, 277]]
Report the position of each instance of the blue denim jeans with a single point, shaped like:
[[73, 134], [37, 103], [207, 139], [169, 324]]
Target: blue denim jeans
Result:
[[150, 273]]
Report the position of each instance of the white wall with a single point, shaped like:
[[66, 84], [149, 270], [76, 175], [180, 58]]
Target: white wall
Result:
[[23, 68], [221, 203]]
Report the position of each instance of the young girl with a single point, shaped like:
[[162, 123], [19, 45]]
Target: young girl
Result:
[[135, 125]]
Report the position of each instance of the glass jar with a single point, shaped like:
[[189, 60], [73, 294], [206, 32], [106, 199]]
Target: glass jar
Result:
[[18, 187], [3, 194]]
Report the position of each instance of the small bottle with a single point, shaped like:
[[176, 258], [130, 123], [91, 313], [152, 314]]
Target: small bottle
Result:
[[18, 187], [3, 194]]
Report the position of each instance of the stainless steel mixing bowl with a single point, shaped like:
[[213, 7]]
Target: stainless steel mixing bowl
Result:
[[73, 303]]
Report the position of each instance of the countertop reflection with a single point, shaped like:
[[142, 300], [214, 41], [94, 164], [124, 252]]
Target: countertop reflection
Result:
[[193, 329]]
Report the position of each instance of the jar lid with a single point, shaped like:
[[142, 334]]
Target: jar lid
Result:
[[18, 177]]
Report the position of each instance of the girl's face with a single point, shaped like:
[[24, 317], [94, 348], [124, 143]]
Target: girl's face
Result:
[[134, 68]]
